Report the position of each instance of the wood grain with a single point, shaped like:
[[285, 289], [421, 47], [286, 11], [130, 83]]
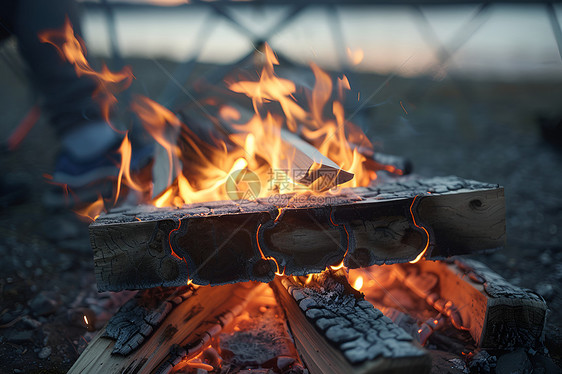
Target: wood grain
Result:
[[184, 330], [230, 241], [496, 313]]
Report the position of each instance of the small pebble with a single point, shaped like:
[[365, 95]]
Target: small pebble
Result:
[[283, 362], [44, 353], [44, 303], [19, 337], [30, 322], [514, 362]]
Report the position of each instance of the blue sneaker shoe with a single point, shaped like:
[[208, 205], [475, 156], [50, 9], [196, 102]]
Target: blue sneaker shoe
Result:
[[78, 174], [88, 164]]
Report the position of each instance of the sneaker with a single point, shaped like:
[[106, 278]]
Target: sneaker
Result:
[[83, 178]]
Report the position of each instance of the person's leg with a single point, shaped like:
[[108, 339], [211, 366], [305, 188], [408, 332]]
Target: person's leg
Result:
[[85, 138], [67, 97], [88, 143]]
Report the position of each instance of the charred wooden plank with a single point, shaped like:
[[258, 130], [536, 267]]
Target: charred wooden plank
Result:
[[230, 241], [135, 321], [496, 313], [192, 322], [338, 331]]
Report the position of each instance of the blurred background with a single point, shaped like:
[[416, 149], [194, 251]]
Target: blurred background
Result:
[[462, 88]]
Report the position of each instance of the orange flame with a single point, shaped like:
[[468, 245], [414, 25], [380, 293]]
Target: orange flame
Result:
[[420, 255], [256, 144], [71, 49], [358, 284], [162, 125], [93, 210], [124, 169]]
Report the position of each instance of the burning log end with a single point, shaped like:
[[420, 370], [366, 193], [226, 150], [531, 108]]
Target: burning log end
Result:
[[501, 315], [187, 327], [317, 170], [325, 177], [137, 318], [339, 331]]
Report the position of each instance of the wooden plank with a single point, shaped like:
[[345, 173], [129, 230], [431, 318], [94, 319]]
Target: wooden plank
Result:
[[138, 340], [302, 159], [231, 241], [496, 313], [337, 331]]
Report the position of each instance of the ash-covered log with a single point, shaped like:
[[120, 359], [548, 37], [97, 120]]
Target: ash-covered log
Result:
[[337, 331], [232, 241], [156, 330], [496, 313]]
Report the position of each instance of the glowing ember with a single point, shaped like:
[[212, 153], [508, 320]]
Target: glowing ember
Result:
[[358, 284], [419, 256], [338, 266]]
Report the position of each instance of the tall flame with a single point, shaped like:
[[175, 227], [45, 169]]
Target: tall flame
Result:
[[254, 144], [125, 168], [71, 49]]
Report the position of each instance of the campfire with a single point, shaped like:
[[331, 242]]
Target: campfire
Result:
[[273, 239]]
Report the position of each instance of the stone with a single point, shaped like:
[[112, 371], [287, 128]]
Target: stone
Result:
[[544, 365], [30, 322], [283, 362], [45, 303], [20, 336], [516, 362], [447, 363], [482, 362], [44, 353]]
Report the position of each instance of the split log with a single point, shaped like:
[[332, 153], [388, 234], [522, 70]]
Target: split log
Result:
[[496, 313], [337, 331], [230, 241], [302, 161], [150, 333]]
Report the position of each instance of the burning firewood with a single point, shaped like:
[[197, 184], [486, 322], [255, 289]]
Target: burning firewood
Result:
[[337, 331], [302, 162], [229, 241], [496, 313], [169, 333], [430, 295]]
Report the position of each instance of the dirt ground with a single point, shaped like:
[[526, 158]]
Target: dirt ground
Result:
[[482, 130]]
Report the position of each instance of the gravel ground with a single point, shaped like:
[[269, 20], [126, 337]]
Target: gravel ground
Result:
[[481, 130]]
